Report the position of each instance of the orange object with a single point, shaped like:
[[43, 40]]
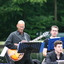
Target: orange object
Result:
[[14, 55]]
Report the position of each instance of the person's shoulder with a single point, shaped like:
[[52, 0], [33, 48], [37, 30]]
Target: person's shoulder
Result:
[[13, 32], [46, 39], [25, 33], [51, 53]]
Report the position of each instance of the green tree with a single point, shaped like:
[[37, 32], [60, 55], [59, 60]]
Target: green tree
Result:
[[38, 16]]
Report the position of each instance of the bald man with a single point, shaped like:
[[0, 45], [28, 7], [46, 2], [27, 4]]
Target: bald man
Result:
[[14, 38]]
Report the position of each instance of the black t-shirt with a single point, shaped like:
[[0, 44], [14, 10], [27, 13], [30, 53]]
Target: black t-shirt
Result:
[[46, 44]]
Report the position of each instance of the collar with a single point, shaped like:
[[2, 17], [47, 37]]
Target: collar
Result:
[[56, 54], [19, 32]]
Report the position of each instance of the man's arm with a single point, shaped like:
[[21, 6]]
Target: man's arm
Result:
[[45, 52], [45, 47], [9, 42], [19, 42]]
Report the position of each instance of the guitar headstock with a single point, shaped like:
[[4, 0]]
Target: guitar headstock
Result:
[[45, 34]]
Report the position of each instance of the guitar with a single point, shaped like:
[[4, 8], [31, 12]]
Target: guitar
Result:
[[17, 56], [14, 55]]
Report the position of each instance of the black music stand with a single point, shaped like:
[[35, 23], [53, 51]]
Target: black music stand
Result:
[[51, 43], [30, 47]]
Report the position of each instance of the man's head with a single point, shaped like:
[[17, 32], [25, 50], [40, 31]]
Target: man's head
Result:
[[54, 31], [58, 46], [21, 26]]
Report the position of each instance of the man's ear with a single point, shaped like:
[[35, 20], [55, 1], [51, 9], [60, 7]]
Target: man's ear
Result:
[[17, 26]]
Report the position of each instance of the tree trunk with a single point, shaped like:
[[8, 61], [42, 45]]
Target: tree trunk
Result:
[[55, 10]]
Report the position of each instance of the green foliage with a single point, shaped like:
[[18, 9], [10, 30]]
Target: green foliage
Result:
[[38, 18], [9, 6], [38, 56], [39, 24], [32, 1]]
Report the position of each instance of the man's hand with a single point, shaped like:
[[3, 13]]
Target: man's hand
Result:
[[15, 44], [20, 42], [23, 41], [45, 52]]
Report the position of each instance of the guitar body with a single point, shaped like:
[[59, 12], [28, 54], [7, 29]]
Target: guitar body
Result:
[[14, 55]]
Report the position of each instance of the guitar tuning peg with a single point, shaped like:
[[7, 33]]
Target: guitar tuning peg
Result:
[[45, 34], [48, 33]]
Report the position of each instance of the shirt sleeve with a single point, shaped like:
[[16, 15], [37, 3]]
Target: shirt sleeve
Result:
[[27, 37], [9, 42], [46, 43]]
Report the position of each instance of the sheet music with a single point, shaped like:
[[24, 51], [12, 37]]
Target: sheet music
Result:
[[3, 51], [60, 61]]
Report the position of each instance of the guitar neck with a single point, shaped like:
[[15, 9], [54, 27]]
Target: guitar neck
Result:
[[37, 38], [43, 35]]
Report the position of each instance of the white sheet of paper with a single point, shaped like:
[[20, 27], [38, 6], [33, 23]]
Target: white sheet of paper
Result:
[[3, 51], [60, 61]]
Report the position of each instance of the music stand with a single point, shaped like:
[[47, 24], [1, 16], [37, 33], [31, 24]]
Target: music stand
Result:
[[51, 43], [30, 47]]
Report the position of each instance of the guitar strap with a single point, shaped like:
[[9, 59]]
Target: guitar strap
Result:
[[25, 36]]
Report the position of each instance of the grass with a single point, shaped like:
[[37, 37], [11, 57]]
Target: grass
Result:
[[2, 42], [38, 56]]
